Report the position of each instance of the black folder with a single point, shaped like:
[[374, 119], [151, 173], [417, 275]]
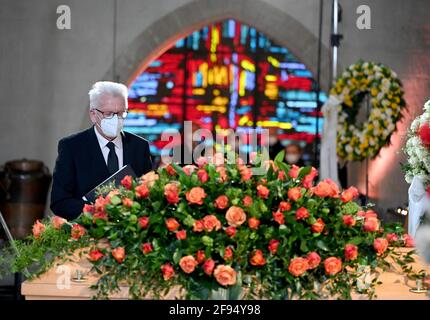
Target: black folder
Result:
[[126, 170]]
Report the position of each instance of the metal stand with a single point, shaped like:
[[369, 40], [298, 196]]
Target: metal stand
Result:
[[367, 159], [17, 276], [335, 39]]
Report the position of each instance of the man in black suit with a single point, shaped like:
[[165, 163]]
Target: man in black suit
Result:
[[87, 158]]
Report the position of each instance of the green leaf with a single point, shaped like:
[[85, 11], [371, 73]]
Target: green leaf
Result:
[[356, 240], [177, 256], [303, 246], [115, 200], [280, 156], [303, 172], [322, 245], [236, 290]]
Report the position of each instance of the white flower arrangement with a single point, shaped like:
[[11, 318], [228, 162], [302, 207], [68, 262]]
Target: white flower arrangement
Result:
[[358, 142], [418, 155]]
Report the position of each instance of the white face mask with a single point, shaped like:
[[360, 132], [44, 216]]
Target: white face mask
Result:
[[292, 158], [111, 127]]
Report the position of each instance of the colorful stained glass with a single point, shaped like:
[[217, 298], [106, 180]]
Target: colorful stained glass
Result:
[[226, 75]]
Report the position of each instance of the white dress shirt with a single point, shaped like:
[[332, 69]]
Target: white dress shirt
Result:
[[105, 150]]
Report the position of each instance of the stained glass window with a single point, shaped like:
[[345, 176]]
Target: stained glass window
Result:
[[226, 75]]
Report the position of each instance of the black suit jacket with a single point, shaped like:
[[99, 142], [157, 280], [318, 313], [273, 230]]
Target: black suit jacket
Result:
[[80, 167]]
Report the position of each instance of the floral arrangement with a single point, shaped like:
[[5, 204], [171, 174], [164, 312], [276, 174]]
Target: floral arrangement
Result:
[[358, 142], [417, 149], [217, 228]]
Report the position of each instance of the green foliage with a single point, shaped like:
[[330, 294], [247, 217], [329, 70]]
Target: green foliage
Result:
[[115, 221]]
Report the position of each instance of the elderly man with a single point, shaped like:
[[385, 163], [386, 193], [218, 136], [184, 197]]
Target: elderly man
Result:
[[87, 158]]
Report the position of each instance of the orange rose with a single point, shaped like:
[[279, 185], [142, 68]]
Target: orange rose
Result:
[[298, 266], [246, 173], [208, 266], [211, 222], [230, 231], [371, 224], [88, 208], [172, 224], [149, 178], [225, 275], [257, 258], [119, 254], [196, 195], [127, 182], [222, 174], [326, 188], [188, 264], [181, 235], [95, 255], [318, 226], [302, 213], [170, 170], [200, 256], [38, 229], [380, 245], [409, 241], [168, 271], [57, 222], [235, 216], [247, 201], [349, 194], [143, 222], [332, 266], [370, 213], [77, 231], [392, 237], [100, 204], [361, 213], [189, 169], [253, 223], [262, 191], [294, 171], [127, 202], [281, 175], [141, 191], [146, 248], [295, 194], [279, 217], [198, 226], [228, 254], [348, 220], [171, 192], [314, 260], [100, 215], [202, 175], [309, 178], [284, 206], [273, 246], [221, 202], [351, 252]]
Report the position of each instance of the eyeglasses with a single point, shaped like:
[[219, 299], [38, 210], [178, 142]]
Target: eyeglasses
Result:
[[110, 115]]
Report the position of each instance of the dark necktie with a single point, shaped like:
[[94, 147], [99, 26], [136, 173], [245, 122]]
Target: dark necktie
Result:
[[112, 161]]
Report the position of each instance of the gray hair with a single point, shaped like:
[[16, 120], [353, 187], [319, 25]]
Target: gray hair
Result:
[[102, 88]]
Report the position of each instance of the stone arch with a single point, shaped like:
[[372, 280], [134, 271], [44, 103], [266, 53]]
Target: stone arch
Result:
[[274, 23]]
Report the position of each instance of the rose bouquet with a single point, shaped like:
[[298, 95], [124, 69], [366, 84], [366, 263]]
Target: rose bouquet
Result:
[[218, 230]]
